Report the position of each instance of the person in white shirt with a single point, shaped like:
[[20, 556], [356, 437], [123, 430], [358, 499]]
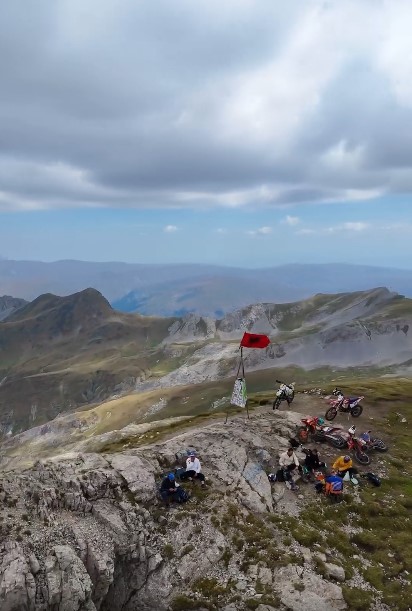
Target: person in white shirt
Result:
[[193, 469], [288, 462]]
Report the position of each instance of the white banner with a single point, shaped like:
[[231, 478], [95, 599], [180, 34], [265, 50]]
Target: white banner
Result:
[[239, 395]]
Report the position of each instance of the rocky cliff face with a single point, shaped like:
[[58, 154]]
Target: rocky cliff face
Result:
[[87, 532], [8, 305]]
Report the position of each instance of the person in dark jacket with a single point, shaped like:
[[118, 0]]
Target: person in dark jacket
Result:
[[171, 491], [313, 462]]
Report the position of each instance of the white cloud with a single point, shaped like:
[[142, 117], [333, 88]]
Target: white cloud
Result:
[[305, 231], [170, 229], [261, 231], [292, 221], [343, 157], [221, 230], [318, 109], [342, 227], [358, 226]]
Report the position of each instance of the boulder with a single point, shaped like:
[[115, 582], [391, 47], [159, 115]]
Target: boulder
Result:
[[137, 472], [69, 585], [17, 585], [318, 595], [335, 572]]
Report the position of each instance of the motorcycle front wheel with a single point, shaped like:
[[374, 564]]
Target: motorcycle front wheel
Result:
[[331, 413], [362, 458], [356, 411], [276, 403], [379, 445]]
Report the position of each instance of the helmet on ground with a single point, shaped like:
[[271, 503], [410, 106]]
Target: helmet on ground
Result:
[[171, 476], [321, 421], [346, 458]]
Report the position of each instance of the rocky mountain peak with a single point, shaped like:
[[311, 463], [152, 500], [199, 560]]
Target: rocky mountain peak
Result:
[[79, 306]]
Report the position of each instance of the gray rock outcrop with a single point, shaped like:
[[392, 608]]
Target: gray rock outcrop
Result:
[[87, 532]]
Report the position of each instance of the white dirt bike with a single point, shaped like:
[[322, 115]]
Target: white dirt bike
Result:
[[286, 392]]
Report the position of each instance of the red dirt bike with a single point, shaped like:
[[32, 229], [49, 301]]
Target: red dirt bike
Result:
[[357, 447], [313, 428], [346, 405], [369, 443]]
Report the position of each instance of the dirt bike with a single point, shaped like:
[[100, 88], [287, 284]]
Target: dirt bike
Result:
[[356, 446], [346, 405], [314, 429], [286, 392], [368, 445]]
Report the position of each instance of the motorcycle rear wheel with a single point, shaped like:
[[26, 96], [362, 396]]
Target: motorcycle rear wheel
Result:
[[362, 458], [331, 413], [356, 411], [338, 442]]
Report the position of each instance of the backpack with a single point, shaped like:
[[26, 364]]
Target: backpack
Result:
[[334, 486], [183, 495], [179, 472], [374, 479]]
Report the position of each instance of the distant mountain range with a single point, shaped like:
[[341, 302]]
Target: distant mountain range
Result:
[[61, 353], [175, 290]]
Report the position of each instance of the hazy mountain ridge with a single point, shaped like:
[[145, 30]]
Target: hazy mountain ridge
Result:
[[174, 290]]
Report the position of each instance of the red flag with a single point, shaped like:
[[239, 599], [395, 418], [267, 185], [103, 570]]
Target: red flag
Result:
[[251, 340]]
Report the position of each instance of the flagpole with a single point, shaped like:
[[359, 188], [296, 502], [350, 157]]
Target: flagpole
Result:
[[243, 375]]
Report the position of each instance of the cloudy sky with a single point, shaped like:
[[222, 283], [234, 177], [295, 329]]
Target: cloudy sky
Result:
[[249, 132]]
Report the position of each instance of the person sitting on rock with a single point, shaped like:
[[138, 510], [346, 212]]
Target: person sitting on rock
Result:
[[344, 465], [193, 469], [313, 462], [288, 462], [171, 491]]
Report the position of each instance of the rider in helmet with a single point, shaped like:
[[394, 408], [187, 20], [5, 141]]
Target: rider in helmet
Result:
[[343, 465], [170, 489]]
